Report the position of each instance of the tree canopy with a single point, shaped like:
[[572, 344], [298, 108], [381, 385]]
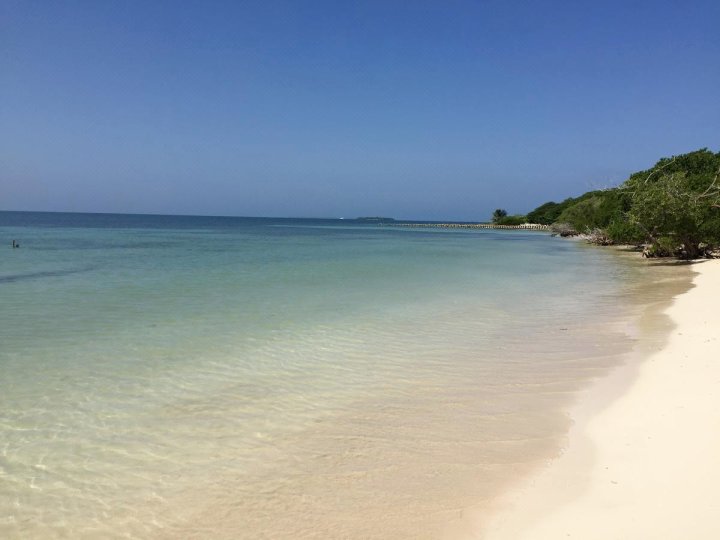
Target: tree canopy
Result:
[[674, 207], [501, 217], [498, 214]]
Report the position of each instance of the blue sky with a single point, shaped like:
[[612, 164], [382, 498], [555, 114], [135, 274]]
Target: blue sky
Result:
[[426, 110]]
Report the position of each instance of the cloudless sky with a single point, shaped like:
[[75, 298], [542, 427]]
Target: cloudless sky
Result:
[[424, 110]]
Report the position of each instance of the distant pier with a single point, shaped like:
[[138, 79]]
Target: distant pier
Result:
[[524, 226]]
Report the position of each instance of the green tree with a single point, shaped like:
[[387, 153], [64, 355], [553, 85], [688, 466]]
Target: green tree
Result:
[[516, 219], [498, 214], [674, 206], [596, 209], [546, 214], [674, 215]]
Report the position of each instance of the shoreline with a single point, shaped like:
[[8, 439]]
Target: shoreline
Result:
[[641, 458], [523, 227]]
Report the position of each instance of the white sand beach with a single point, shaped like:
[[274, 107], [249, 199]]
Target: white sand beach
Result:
[[646, 466]]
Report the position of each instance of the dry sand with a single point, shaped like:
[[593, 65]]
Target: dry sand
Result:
[[646, 466]]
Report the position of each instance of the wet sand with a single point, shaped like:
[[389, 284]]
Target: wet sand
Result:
[[641, 461]]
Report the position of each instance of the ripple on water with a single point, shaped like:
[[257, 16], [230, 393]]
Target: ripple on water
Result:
[[358, 389]]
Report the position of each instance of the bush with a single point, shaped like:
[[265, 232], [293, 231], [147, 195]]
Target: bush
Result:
[[662, 247], [674, 216], [596, 209], [674, 206], [622, 231], [517, 219], [546, 214]]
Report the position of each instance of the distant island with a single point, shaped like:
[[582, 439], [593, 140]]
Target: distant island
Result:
[[375, 219]]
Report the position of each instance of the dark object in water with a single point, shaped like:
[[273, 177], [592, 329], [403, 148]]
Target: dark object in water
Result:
[[15, 244], [375, 219]]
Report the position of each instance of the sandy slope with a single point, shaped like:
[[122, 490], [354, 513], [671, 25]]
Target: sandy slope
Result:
[[648, 465]]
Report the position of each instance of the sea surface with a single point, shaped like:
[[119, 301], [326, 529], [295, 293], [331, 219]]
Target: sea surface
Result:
[[204, 377]]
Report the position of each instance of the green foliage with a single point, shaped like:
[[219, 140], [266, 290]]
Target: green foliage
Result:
[[546, 214], [674, 206], [668, 210], [621, 231], [499, 214], [596, 209], [582, 214], [699, 167], [710, 228], [517, 219]]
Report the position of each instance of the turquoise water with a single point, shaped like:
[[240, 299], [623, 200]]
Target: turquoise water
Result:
[[170, 376]]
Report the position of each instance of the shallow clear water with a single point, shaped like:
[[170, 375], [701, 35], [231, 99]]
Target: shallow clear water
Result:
[[262, 378]]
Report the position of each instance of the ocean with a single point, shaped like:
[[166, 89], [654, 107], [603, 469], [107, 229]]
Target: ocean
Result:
[[207, 377]]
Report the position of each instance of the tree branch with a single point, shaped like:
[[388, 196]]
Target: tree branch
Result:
[[660, 169], [707, 192]]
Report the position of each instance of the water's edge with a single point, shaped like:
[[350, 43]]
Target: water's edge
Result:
[[651, 328], [177, 377]]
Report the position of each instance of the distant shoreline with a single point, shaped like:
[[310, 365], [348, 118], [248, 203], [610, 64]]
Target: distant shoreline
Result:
[[524, 226]]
